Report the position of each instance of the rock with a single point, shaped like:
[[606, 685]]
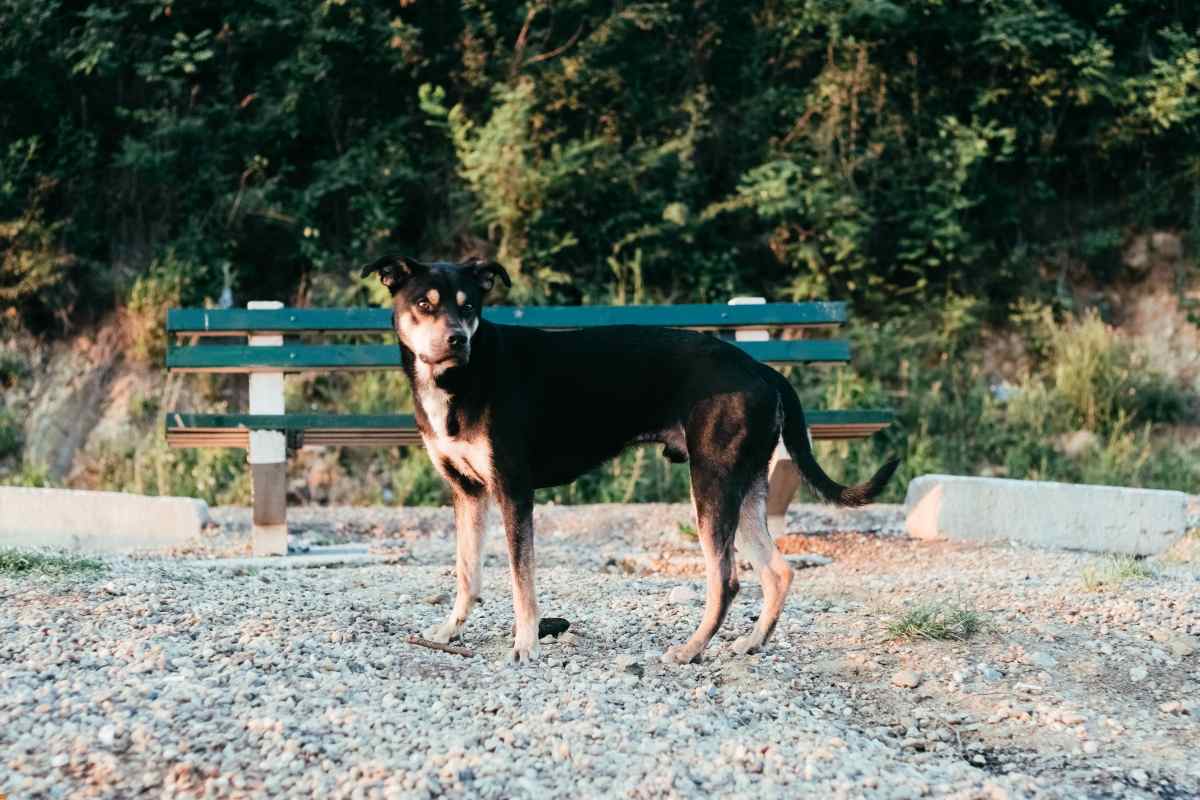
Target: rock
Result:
[[1072, 718], [1138, 674], [552, 626], [1173, 707], [1182, 646], [107, 736], [1076, 443], [1091, 747], [989, 673], [805, 560], [636, 670], [906, 679], [1043, 660], [436, 599], [682, 595]]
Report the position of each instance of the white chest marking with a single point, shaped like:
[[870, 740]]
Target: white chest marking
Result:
[[436, 404], [470, 457]]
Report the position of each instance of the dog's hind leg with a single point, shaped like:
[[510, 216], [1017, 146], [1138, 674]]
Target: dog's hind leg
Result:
[[518, 526], [470, 519], [755, 545], [716, 526]]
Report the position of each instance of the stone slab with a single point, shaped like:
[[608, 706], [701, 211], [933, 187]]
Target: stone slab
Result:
[[1068, 516], [321, 557], [97, 522]]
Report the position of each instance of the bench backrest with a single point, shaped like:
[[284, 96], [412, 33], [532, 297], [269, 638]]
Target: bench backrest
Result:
[[216, 348]]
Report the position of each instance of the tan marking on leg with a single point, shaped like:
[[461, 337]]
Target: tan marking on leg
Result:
[[518, 523], [755, 545], [470, 517]]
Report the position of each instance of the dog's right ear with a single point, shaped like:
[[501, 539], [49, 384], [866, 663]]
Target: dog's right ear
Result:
[[394, 270]]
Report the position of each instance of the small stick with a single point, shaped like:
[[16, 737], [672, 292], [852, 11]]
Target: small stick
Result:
[[445, 648]]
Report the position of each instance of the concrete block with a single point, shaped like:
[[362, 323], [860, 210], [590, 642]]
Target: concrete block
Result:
[[98, 522], [1068, 516]]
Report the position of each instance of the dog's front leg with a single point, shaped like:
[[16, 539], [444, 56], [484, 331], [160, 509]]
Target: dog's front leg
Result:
[[470, 519], [517, 509]]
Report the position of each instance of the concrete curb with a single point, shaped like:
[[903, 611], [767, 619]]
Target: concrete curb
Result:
[[1068, 516], [98, 522], [322, 557]]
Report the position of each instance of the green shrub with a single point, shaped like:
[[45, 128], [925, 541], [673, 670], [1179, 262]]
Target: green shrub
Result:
[[13, 369], [11, 438], [144, 316]]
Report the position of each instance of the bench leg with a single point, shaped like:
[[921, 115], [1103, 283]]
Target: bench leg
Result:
[[783, 479], [268, 454], [269, 485]]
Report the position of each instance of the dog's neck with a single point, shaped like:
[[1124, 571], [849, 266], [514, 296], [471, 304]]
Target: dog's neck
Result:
[[437, 397]]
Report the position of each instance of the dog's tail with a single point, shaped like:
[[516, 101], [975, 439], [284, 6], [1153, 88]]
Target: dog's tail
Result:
[[795, 439]]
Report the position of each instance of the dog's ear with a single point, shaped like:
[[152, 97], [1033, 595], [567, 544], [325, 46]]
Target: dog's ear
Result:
[[486, 272], [394, 270]]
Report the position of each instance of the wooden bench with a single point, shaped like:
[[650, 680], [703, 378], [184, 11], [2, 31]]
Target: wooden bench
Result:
[[266, 341]]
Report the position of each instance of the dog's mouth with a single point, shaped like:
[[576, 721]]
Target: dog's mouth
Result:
[[450, 359]]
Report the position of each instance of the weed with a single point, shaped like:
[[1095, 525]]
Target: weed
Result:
[[936, 621], [24, 562], [10, 434], [1112, 571]]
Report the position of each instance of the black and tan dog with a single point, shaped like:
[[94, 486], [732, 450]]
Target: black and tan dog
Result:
[[506, 410]]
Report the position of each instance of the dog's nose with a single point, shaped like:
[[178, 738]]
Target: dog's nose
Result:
[[457, 340]]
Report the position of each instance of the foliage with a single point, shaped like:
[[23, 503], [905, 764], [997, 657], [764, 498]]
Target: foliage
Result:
[[936, 621], [25, 562], [883, 152], [144, 316], [1111, 572], [10, 434], [1083, 381]]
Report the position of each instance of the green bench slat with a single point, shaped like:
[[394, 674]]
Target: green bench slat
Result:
[[235, 321], [244, 358], [306, 421]]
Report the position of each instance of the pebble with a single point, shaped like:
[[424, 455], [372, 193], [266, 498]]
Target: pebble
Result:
[[989, 673], [906, 679], [1043, 660], [1182, 647], [1172, 707], [682, 595], [1138, 674]]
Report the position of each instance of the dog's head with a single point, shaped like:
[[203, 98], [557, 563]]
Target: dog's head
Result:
[[436, 305]]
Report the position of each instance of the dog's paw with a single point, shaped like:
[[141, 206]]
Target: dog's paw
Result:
[[441, 633], [750, 643], [525, 653], [683, 654]]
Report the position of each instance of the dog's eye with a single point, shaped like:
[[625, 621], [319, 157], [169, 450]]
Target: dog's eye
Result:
[[467, 308], [425, 305]]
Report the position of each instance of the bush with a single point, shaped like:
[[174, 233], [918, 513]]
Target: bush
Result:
[[1085, 380], [11, 439], [144, 316]]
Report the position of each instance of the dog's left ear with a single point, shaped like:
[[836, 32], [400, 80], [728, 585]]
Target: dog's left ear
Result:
[[486, 273], [394, 270]]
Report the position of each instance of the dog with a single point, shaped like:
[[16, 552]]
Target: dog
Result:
[[505, 410]]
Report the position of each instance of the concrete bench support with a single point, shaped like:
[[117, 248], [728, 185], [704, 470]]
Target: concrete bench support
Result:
[[1111, 519], [97, 522], [267, 454]]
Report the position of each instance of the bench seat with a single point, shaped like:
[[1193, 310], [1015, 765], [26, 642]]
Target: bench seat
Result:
[[391, 430]]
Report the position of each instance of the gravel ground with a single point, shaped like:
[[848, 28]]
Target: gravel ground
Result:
[[170, 677]]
